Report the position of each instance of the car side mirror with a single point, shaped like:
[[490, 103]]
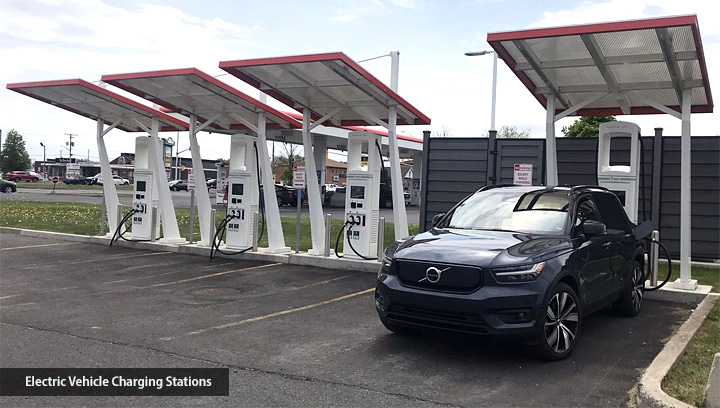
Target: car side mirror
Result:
[[594, 228], [437, 218]]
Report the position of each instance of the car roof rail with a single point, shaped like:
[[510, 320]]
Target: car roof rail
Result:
[[586, 187]]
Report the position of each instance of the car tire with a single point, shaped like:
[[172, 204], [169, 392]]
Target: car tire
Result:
[[17, 180], [279, 201], [127, 183], [401, 330], [562, 322], [34, 180], [173, 188], [8, 189], [631, 301], [388, 203]]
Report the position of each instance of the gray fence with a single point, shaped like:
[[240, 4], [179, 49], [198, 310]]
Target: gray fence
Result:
[[457, 167]]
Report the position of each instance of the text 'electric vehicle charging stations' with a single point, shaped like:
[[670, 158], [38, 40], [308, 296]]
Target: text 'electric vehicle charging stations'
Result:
[[145, 195], [243, 196], [362, 199]]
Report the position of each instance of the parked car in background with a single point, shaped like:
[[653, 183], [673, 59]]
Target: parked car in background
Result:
[[525, 262], [386, 199], [330, 187], [177, 185], [286, 195], [17, 176], [119, 181], [7, 186], [75, 181]]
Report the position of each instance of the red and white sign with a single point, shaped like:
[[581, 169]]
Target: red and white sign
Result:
[[191, 179], [522, 176], [299, 177], [55, 180]]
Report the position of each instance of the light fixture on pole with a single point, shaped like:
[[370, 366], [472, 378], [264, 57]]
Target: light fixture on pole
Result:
[[494, 83], [44, 170]]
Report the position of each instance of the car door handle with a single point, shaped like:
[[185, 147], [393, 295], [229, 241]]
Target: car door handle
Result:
[[607, 245]]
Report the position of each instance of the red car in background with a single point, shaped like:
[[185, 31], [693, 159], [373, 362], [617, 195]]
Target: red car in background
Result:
[[22, 176]]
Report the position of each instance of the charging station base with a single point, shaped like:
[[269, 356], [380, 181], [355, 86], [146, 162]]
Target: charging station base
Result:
[[316, 252], [173, 241], [280, 250], [688, 285]]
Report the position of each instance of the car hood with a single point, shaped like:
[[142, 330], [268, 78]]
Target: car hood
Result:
[[482, 248]]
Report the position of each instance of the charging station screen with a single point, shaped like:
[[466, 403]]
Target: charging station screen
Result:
[[140, 186], [237, 189], [357, 192]]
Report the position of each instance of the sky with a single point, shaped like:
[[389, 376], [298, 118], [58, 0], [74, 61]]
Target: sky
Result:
[[61, 39]]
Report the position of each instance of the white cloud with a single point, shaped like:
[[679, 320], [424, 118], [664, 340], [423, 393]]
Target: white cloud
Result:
[[350, 10]]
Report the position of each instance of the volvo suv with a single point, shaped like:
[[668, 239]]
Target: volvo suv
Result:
[[523, 262]]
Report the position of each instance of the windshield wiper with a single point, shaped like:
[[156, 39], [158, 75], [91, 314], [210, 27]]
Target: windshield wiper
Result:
[[499, 229]]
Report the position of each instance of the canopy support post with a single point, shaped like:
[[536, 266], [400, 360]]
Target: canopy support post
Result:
[[109, 190], [317, 221], [685, 281], [551, 178], [201, 191]]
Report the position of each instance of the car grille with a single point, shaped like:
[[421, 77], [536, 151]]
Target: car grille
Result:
[[462, 322], [454, 279]]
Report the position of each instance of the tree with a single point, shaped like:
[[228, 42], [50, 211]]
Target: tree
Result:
[[14, 155], [586, 126], [289, 155], [512, 132], [443, 132]]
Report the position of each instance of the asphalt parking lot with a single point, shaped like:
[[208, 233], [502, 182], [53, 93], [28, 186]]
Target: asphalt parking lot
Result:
[[291, 335]]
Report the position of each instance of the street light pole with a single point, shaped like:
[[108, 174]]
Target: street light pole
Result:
[[44, 159], [494, 83]]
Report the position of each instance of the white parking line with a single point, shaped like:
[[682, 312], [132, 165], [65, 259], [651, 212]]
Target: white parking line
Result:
[[37, 246]]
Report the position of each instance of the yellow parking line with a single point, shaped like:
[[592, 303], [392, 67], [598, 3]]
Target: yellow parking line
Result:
[[37, 246], [276, 314], [107, 258], [209, 276], [39, 291]]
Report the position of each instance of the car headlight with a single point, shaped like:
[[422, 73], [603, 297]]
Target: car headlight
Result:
[[521, 273], [387, 260]]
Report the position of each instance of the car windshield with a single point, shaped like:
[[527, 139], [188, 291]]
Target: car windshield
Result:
[[499, 209]]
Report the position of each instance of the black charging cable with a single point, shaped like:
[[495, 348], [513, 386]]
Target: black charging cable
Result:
[[220, 230]]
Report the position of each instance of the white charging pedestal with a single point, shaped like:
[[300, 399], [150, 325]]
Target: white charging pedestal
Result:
[[623, 180], [362, 196], [242, 193], [145, 194]]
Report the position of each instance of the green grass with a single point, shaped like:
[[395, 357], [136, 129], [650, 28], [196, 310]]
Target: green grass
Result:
[[687, 379], [704, 275], [84, 219], [63, 186]]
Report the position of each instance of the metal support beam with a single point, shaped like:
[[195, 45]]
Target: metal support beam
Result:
[[208, 122], [250, 125], [325, 118], [656, 177], [612, 82], [551, 178], [203, 197], [668, 51], [317, 227], [685, 281], [276, 239], [398, 196], [635, 86], [171, 233], [109, 190], [370, 117], [142, 126], [580, 105], [534, 62], [658, 106], [609, 60]]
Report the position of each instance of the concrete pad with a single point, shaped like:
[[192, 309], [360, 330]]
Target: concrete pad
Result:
[[670, 294], [332, 262]]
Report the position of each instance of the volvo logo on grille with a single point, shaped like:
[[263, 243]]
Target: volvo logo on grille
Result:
[[433, 274]]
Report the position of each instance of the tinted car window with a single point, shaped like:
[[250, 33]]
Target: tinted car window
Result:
[[537, 211], [612, 212]]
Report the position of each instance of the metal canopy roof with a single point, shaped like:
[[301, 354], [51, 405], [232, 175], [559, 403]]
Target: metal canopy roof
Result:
[[637, 63], [191, 91], [323, 83], [94, 102]]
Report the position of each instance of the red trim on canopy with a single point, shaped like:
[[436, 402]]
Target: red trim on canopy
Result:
[[230, 65]]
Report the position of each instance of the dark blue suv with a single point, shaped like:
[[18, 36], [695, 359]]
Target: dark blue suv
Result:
[[524, 262]]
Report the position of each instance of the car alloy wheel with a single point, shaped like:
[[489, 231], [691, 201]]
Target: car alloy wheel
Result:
[[638, 287], [8, 189], [279, 202], [561, 322]]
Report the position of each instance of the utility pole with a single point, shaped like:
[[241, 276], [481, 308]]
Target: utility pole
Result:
[[70, 144]]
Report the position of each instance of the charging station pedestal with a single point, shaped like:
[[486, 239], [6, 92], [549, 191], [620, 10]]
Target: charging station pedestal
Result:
[[623, 180], [242, 193], [362, 196], [145, 194]]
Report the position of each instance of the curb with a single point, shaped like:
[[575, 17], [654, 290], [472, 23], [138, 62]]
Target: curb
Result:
[[288, 258], [650, 393]]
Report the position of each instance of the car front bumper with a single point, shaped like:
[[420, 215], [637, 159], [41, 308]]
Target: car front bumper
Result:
[[514, 310]]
